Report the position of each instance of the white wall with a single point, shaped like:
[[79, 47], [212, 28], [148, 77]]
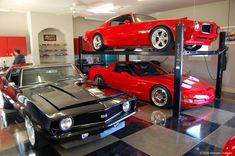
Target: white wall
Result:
[[14, 24], [217, 12], [81, 25], [40, 21], [60, 39]]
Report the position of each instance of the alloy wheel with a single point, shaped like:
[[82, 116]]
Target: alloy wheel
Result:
[[97, 42], [159, 97], [160, 38], [30, 130], [99, 80]]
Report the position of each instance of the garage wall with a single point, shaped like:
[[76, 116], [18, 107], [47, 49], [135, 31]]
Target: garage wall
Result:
[[81, 25], [40, 21], [217, 12], [14, 24]]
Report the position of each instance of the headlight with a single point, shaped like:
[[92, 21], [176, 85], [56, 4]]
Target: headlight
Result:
[[126, 106], [66, 124], [196, 26]]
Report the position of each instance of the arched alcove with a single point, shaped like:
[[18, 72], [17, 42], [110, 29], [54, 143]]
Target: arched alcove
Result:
[[52, 46]]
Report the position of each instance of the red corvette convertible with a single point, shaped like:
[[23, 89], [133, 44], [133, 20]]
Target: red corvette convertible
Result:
[[137, 30], [149, 82]]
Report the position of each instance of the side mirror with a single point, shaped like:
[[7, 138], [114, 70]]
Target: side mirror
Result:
[[125, 74]]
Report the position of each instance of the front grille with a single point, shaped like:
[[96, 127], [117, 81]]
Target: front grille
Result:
[[98, 116], [206, 28]]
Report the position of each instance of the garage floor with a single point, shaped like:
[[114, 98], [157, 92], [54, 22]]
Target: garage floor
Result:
[[151, 131]]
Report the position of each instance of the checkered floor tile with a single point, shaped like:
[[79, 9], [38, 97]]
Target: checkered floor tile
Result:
[[152, 131]]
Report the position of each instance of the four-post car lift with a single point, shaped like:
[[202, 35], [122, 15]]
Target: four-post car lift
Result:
[[178, 52]]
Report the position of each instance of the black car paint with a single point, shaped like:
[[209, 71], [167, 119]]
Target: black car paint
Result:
[[47, 104]]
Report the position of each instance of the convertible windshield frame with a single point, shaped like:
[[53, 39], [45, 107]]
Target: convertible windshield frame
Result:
[[77, 73]]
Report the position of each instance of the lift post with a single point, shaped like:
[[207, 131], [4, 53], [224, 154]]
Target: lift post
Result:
[[179, 51], [127, 58], [221, 65], [80, 47]]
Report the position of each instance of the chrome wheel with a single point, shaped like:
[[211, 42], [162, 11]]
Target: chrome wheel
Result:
[[97, 42], [160, 38], [99, 80], [30, 130], [159, 97]]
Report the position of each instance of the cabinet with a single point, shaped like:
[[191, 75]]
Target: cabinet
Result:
[[3, 47], [9, 43]]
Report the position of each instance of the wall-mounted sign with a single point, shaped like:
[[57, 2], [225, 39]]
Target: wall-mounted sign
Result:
[[49, 37]]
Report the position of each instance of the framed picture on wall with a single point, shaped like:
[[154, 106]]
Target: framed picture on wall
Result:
[[49, 37], [230, 34]]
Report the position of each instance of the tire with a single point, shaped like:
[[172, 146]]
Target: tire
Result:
[[99, 80], [160, 97], [97, 42], [161, 38], [192, 47], [6, 103], [35, 140]]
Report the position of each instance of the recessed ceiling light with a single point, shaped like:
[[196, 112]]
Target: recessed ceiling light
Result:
[[19, 1], [74, 4], [106, 8]]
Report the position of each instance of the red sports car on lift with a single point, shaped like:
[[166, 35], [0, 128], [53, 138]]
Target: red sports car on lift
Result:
[[149, 82], [137, 30]]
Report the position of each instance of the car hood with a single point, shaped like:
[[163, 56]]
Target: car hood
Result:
[[66, 95], [188, 82]]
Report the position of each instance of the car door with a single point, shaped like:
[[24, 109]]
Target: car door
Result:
[[123, 77], [120, 31]]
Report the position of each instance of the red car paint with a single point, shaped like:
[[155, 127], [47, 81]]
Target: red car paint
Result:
[[141, 86], [137, 34], [229, 148]]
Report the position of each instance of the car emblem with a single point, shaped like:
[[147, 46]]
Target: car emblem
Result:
[[104, 116]]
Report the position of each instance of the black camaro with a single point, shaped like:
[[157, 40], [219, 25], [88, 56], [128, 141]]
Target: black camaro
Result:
[[58, 104]]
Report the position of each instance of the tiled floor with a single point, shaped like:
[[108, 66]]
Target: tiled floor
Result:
[[151, 131]]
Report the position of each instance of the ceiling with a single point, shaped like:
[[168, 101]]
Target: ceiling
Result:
[[81, 7]]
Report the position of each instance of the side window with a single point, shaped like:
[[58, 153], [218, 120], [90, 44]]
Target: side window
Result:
[[120, 20], [14, 76], [122, 68]]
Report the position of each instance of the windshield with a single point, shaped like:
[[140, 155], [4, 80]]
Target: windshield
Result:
[[49, 74], [147, 69], [143, 18]]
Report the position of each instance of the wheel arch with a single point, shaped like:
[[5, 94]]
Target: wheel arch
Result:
[[98, 74]]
